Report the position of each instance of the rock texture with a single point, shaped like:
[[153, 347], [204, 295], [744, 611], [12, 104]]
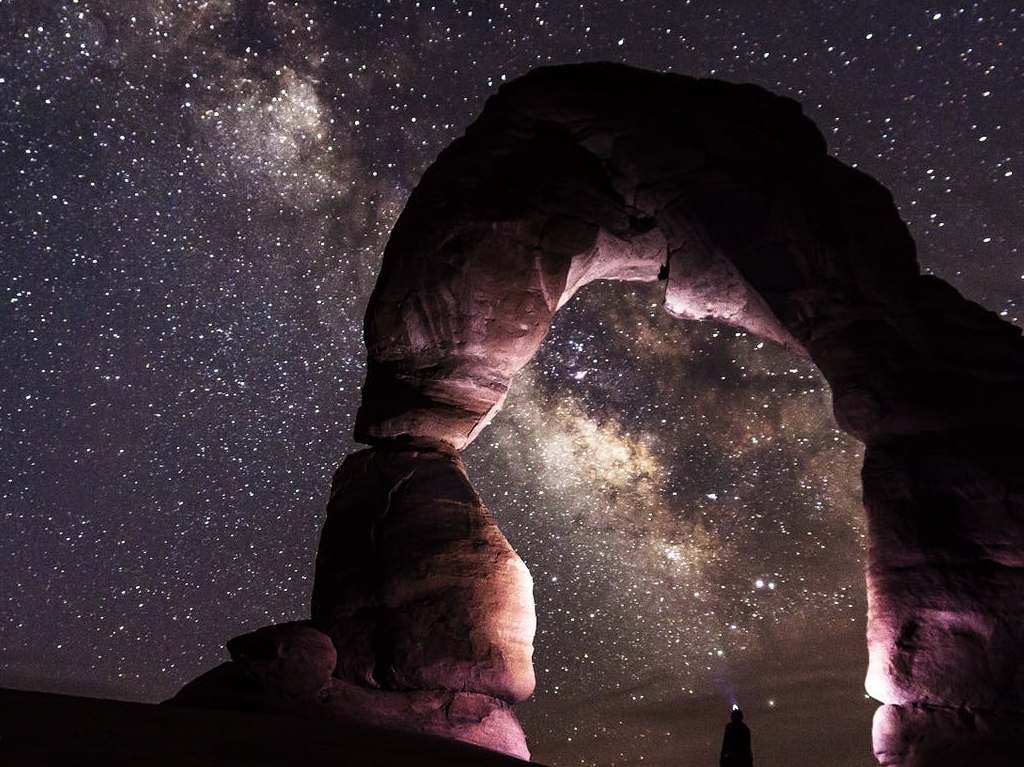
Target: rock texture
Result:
[[922, 736], [423, 615], [415, 583], [277, 669], [726, 193], [289, 669]]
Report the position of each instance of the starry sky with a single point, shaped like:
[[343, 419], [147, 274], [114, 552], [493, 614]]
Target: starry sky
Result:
[[195, 199]]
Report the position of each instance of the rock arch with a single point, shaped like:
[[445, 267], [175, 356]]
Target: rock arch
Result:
[[726, 193]]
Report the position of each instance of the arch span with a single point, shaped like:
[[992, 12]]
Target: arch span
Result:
[[725, 193]]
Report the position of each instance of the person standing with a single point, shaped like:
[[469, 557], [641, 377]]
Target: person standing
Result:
[[736, 751]]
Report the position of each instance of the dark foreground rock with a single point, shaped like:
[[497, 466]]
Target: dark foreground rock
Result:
[[43, 729], [289, 670]]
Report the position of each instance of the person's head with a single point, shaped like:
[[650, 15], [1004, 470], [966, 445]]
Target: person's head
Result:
[[737, 714]]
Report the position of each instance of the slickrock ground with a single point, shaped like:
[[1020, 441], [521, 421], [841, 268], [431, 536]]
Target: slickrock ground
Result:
[[42, 729]]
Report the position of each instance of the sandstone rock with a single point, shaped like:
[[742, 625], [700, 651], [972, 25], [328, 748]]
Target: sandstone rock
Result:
[[46, 729], [427, 613], [946, 571], [286, 667], [601, 171], [294, 658], [922, 736], [728, 191], [415, 583], [604, 172], [467, 716]]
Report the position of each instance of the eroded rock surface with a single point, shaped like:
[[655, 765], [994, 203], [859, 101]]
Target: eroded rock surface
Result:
[[415, 583], [605, 172], [289, 669], [423, 615], [283, 668], [922, 736], [479, 719], [726, 193]]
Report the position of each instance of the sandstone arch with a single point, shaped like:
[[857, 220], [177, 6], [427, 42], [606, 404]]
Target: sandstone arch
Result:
[[727, 194]]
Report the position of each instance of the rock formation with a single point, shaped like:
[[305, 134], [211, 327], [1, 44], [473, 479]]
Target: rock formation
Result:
[[726, 193], [46, 729], [422, 613], [415, 584]]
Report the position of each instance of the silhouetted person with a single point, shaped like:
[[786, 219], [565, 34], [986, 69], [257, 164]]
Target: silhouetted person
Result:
[[736, 743]]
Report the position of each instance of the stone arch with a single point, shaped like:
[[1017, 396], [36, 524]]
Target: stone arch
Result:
[[726, 194]]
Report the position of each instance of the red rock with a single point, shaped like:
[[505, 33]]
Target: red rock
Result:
[[467, 716], [294, 657], [922, 736], [606, 172], [119, 734], [601, 171], [285, 667], [416, 584]]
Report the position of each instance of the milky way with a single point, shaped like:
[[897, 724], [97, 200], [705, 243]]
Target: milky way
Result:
[[196, 196]]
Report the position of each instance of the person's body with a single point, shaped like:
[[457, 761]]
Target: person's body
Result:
[[736, 750]]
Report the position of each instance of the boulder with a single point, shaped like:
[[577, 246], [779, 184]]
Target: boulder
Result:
[[282, 668]]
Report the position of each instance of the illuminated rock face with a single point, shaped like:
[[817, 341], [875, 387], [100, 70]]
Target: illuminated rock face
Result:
[[578, 173], [423, 614], [726, 192], [415, 583], [289, 669]]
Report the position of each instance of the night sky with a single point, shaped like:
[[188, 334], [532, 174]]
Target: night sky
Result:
[[195, 200]]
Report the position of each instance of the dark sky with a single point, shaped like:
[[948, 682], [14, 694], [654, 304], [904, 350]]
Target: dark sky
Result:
[[195, 198]]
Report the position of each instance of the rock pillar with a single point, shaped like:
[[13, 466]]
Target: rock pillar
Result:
[[946, 598], [423, 597], [422, 613]]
